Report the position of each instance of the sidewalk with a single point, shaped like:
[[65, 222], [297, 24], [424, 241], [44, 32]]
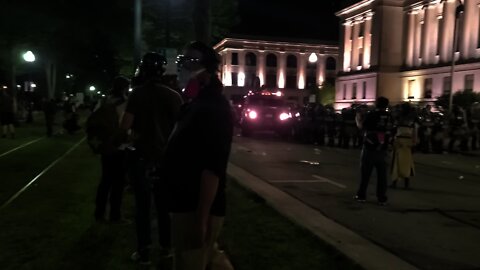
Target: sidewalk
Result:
[[365, 253]]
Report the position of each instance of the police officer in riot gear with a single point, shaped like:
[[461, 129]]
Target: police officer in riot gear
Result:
[[377, 127]]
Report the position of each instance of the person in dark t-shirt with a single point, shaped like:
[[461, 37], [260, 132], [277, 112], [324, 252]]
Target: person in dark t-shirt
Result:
[[377, 127], [151, 112], [196, 160]]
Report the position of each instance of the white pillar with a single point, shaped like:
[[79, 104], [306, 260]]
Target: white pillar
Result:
[[227, 74], [355, 45], [321, 69], [418, 39], [281, 69], [301, 70], [367, 42], [261, 67], [347, 47], [411, 39], [449, 23], [466, 49]]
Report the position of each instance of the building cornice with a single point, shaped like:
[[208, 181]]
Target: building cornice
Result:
[[262, 45]]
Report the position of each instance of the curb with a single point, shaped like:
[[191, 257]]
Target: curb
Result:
[[362, 251]]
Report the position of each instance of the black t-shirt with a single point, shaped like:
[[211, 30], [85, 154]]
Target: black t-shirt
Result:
[[155, 108], [200, 141], [378, 126]]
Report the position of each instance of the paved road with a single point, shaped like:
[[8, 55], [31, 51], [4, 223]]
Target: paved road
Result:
[[434, 226]]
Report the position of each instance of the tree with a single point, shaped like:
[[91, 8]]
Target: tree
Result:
[[464, 99], [326, 94]]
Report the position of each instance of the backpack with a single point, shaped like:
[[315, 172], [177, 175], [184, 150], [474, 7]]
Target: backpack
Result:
[[101, 127]]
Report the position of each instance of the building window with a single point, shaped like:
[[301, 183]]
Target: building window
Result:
[[331, 63], [461, 21], [447, 85], [354, 91], [271, 60], [291, 61], [271, 80], [439, 34], [311, 83], [360, 58], [234, 59], [364, 90], [469, 79], [234, 79], [361, 30], [344, 91], [411, 86], [250, 59], [427, 88], [291, 81]]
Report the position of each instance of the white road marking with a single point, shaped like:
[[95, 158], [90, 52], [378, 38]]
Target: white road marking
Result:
[[326, 180], [20, 147], [310, 162], [16, 195]]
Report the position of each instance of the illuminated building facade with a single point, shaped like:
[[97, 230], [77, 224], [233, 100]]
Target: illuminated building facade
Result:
[[287, 65], [402, 49]]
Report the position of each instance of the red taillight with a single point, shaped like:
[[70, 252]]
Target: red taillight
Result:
[[252, 115]]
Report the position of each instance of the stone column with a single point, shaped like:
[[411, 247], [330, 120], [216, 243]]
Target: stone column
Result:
[[227, 74], [367, 41], [411, 39], [355, 45], [449, 23], [467, 42], [302, 70], [347, 47], [261, 71], [281, 70], [321, 69], [418, 39]]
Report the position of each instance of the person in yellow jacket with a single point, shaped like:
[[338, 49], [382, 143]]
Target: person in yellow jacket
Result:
[[404, 141]]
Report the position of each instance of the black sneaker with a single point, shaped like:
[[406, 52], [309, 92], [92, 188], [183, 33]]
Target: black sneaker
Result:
[[359, 199]]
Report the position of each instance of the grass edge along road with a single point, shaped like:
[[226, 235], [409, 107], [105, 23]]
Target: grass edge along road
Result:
[[51, 227]]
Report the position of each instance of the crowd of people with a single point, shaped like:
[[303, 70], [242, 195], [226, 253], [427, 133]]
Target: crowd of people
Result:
[[436, 131], [173, 148]]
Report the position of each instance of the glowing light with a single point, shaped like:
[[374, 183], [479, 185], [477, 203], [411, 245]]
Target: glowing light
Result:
[[313, 58], [99, 92], [33, 85], [284, 116], [19, 86], [4, 87], [92, 88], [278, 93], [252, 115], [281, 80], [301, 82], [241, 79], [29, 57], [130, 90]]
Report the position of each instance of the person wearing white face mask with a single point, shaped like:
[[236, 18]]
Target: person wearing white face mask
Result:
[[196, 159]]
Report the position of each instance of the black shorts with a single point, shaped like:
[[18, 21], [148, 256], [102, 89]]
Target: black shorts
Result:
[[6, 118]]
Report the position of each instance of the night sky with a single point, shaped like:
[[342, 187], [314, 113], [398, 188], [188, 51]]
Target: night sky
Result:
[[289, 19]]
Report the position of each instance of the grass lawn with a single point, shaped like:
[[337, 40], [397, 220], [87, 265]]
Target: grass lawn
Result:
[[51, 225]]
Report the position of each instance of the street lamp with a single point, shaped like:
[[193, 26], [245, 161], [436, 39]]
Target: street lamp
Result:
[[29, 57], [92, 88], [313, 58], [458, 12]]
